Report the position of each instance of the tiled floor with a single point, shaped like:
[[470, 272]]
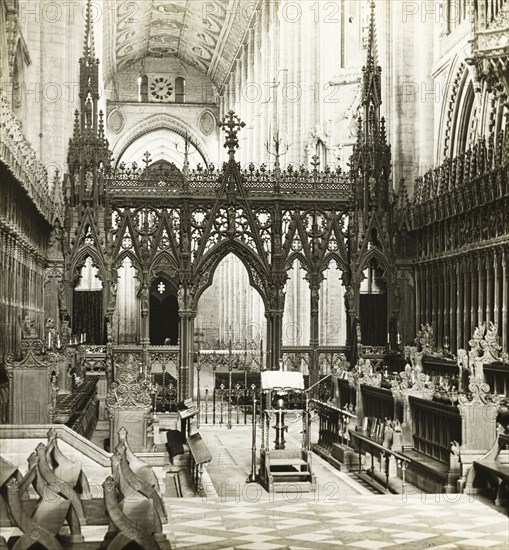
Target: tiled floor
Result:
[[341, 514], [371, 522]]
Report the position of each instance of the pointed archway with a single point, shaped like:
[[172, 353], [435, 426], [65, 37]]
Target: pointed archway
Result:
[[164, 313]]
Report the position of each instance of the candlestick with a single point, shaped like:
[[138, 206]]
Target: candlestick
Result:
[[398, 338]]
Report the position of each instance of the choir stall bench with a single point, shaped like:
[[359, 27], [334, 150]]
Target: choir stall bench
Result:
[[200, 457], [490, 474]]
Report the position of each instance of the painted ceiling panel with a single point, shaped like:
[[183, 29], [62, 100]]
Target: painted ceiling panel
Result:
[[205, 34]]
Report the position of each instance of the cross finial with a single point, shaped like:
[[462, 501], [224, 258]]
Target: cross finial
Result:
[[147, 159], [231, 125], [315, 162]]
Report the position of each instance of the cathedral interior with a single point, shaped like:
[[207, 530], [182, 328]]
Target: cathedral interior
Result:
[[254, 280]]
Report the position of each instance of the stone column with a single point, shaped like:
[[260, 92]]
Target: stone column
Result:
[[434, 298], [489, 262], [505, 305], [439, 304], [54, 304], [453, 303], [283, 76], [427, 309], [496, 290], [274, 338], [251, 91], [474, 293], [417, 276], [482, 301], [257, 80], [460, 303], [467, 276], [186, 371], [264, 79], [314, 339], [297, 106], [422, 316], [447, 300], [144, 324]]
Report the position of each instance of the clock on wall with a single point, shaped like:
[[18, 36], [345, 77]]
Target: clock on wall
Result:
[[161, 88]]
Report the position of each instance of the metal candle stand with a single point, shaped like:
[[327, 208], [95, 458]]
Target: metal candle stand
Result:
[[253, 476], [280, 426]]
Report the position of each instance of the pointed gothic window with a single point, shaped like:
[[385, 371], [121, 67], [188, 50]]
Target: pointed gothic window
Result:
[[180, 90], [142, 88]]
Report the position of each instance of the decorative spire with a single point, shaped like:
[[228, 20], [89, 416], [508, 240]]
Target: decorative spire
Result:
[[403, 201], [371, 97], [88, 147], [231, 125], [89, 45], [372, 40]]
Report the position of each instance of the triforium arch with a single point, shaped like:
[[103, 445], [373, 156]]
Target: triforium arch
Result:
[[160, 122]]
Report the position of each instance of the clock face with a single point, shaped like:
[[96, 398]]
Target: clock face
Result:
[[161, 88]]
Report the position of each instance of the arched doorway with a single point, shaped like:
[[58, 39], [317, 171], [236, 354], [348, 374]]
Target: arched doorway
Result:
[[373, 306], [87, 310], [164, 313]]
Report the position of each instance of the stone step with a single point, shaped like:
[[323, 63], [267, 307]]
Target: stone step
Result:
[[292, 487], [287, 461], [289, 473]]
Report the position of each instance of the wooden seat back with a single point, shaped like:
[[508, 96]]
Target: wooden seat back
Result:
[[48, 516]]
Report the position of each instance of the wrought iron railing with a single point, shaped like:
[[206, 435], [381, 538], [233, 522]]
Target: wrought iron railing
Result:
[[126, 179], [227, 406], [333, 424]]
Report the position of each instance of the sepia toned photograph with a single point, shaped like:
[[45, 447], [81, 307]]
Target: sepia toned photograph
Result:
[[254, 274]]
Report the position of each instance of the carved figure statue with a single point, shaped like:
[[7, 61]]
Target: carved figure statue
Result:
[[113, 295], [55, 242], [110, 243], [28, 328], [65, 331], [479, 331], [455, 456], [61, 298], [349, 296], [89, 181], [397, 298], [181, 294], [145, 294], [109, 373], [54, 389], [145, 247]]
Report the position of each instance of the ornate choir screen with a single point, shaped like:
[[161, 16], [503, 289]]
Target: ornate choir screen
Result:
[[156, 236]]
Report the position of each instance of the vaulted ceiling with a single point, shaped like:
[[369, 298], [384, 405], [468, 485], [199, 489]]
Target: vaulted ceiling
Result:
[[205, 34]]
